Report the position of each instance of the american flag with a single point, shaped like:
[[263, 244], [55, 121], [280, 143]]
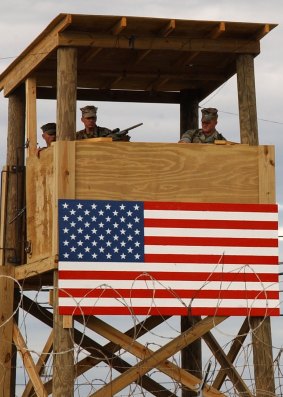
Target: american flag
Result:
[[165, 258]]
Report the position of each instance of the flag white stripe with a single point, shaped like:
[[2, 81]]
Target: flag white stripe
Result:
[[224, 233], [159, 302], [211, 215], [168, 267], [168, 284], [209, 250]]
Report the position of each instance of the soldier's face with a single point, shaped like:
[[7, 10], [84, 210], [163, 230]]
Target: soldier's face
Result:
[[48, 138], [208, 127], [89, 122]]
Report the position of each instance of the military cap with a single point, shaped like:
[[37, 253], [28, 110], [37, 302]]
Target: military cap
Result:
[[49, 128], [89, 111], [209, 114]]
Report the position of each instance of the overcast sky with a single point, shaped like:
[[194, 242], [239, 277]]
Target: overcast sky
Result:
[[22, 20]]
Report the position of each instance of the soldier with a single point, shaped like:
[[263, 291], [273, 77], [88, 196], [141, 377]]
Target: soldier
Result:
[[92, 130], [48, 134], [206, 134]]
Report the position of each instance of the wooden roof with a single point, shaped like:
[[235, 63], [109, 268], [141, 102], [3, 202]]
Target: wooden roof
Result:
[[152, 56]]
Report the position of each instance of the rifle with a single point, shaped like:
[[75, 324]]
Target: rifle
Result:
[[126, 130]]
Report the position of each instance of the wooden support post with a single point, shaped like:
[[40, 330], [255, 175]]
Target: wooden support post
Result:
[[31, 125], [190, 355], [6, 329], [66, 93], [63, 345], [261, 336], [188, 110], [12, 238], [247, 99]]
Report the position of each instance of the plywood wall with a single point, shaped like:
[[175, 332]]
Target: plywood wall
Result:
[[144, 171]]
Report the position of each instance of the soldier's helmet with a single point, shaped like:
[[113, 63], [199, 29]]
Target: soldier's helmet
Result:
[[209, 114], [49, 128], [89, 111]]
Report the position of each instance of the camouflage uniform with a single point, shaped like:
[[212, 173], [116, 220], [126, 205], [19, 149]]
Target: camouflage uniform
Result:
[[100, 132], [198, 136]]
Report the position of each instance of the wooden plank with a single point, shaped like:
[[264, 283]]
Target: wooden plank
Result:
[[81, 39], [31, 125], [63, 182], [261, 327], [39, 206], [28, 362], [167, 172], [266, 169], [168, 28], [66, 93], [247, 99], [140, 351], [3, 206], [119, 26], [6, 328], [191, 355], [36, 268], [263, 356], [63, 348], [33, 56], [153, 360], [67, 322], [64, 187], [218, 31], [224, 361], [40, 365], [233, 352]]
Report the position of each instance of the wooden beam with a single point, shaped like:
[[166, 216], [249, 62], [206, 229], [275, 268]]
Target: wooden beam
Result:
[[218, 31], [66, 93], [89, 55], [3, 204], [36, 268], [64, 187], [168, 28], [115, 95], [266, 174], [141, 55], [189, 105], [79, 39], [102, 353], [31, 126], [233, 352], [119, 26], [231, 371], [261, 327], [28, 362], [247, 99], [33, 56], [262, 32], [63, 348], [40, 365], [142, 352], [6, 328], [162, 354], [262, 356]]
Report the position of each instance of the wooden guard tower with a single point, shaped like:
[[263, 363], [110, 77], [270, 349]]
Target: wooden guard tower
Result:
[[125, 59]]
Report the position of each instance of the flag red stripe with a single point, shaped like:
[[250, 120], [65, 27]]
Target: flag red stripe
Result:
[[210, 224], [168, 311], [164, 293], [224, 259], [181, 276], [222, 207], [211, 241]]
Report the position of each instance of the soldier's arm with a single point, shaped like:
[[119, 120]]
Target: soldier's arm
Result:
[[187, 137]]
